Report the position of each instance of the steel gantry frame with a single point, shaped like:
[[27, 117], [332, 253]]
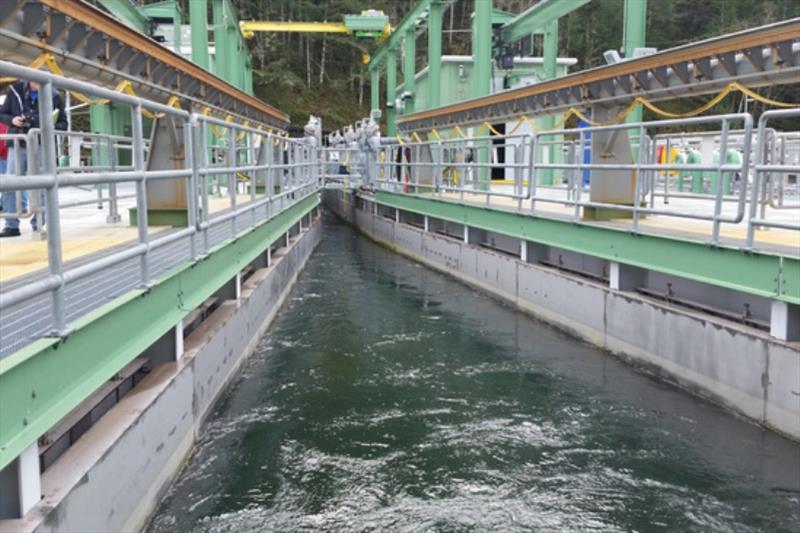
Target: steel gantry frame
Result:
[[757, 57], [426, 14]]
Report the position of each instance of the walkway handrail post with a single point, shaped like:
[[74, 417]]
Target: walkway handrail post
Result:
[[49, 167], [141, 190]]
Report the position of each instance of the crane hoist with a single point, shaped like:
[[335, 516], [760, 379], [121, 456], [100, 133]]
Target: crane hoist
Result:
[[370, 24]]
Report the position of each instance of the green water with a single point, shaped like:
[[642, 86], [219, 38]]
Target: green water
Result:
[[387, 397]]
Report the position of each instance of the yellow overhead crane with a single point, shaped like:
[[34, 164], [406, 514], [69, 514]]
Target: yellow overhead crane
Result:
[[370, 24]]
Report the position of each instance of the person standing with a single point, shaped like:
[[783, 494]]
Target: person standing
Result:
[[3, 149], [20, 112]]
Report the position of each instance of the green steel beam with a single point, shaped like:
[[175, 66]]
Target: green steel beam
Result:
[[237, 45], [221, 49], [537, 17], [762, 274], [391, 93], [482, 48], [198, 18], [248, 73], [374, 88], [482, 77], [550, 52], [177, 23], [410, 68], [434, 98], [635, 29], [394, 40], [129, 13], [43, 382], [635, 26]]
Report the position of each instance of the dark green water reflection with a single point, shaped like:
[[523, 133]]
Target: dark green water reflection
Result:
[[387, 397]]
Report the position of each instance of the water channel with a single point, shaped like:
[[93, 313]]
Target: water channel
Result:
[[388, 397]]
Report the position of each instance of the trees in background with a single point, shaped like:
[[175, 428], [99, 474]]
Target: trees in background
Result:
[[302, 72]]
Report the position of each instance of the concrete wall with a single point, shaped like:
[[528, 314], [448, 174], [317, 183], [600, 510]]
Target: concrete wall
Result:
[[114, 476], [739, 367]]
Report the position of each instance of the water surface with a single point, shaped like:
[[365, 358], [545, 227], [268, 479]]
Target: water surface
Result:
[[388, 397]]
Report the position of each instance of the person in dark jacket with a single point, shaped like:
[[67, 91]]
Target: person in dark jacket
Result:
[[20, 112]]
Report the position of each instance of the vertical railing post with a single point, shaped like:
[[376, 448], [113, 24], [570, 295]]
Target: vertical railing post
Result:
[[251, 160], [723, 149], [113, 206], [141, 190], [519, 160], [668, 148], [270, 174], [190, 162], [579, 190], [754, 196], [232, 178], [532, 173], [201, 160], [48, 159], [637, 185]]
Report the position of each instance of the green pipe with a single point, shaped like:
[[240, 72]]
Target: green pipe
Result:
[[434, 54], [410, 67], [695, 158]]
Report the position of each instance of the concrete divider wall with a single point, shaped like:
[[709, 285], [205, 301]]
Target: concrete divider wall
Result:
[[114, 476], [739, 367]]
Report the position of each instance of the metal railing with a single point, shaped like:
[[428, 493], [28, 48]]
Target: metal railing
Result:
[[92, 147], [286, 183], [548, 174], [766, 171], [26, 205], [342, 165]]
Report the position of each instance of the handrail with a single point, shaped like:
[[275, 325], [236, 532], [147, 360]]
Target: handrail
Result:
[[448, 169], [294, 180]]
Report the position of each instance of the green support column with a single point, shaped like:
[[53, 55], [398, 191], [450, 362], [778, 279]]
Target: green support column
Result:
[[435, 54], [375, 87], [177, 20], [410, 67], [482, 77], [236, 65], [222, 55], [634, 37], [482, 48], [248, 74], [550, 46], [391, 92], [198, 18], [101, 121]]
